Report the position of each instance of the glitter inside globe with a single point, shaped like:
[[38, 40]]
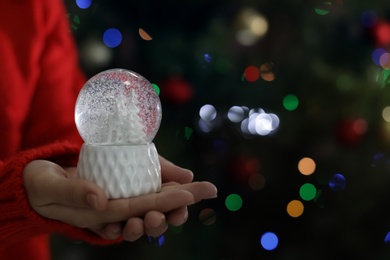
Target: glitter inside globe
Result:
[[118, 107]]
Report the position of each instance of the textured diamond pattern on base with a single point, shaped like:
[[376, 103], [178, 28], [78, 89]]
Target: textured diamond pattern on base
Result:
[[123, 171]]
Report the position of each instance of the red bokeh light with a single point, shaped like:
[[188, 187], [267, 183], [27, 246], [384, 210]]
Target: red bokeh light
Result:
[[251, 73]]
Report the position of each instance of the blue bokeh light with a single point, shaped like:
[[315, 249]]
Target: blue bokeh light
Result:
[[269, 241], [337, 182], [387, 238], [83, 4], [207, 57], [157, 241], [112, 37], [368, 18], [376, 55]]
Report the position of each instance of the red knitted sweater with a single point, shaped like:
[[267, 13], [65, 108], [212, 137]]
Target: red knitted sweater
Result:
[[39, 83]]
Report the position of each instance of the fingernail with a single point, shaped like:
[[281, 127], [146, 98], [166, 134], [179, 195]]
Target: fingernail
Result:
[[212, 193], [92, 200]]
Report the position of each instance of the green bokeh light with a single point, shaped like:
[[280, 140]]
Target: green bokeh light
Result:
[[308, 191], [233, 202], [290, 102], [188, 132], [323, 11], [74, 21], [156, 88]]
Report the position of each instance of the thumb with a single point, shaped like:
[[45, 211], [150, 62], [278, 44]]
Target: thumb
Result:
[[51, 186]]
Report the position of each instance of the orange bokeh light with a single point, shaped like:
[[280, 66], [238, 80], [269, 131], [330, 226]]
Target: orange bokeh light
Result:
[[306, 166]]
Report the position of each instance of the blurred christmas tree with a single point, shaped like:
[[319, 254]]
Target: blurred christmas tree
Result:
[[284, 105]]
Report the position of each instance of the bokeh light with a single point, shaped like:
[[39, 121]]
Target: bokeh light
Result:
[[368, 18], [95, 54], [188, 132], [208, 112], [382, 33], [205, 126], [308, 191], [83, 4], [350, 131], [337, 182], [376, 55], [156, 87], [74, 21], [176, 89], [387, 238], [112, 37], [183, 134], [267, 71], [260, 123], [290, 102], [207, 216], [207, 58], [306, 166], [384, 60], [244, 167], [233, 202], [359, 126], [386, 114], [157, 241], [236, 114], [251, 73], [323, 9], [269, 241], [144, 35], [295, 208], [251, 26]]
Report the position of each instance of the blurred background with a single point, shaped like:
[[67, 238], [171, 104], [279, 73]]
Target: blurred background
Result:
[[283, 105]]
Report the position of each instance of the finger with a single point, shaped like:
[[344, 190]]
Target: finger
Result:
[[133, 230], [177, 217], [46, 184], [155, 223], [172, 172], [200, 190], [110, 231]]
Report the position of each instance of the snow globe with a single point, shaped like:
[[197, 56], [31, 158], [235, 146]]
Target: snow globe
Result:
[[118, 114]]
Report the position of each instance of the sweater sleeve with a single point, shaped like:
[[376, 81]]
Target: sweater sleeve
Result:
[[18, 220], [59, 79]]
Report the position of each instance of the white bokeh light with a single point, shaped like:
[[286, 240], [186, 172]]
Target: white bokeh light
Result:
[[208, 112], [253, 121], [236, 114], [260, 122]]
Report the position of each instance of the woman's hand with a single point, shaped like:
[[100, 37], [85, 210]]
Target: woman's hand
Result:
[[56, 193]]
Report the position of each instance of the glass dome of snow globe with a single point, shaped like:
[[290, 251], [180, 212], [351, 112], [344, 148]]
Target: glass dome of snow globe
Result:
[[118, 114]]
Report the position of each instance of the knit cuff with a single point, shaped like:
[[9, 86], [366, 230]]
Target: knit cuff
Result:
[[19, 221]]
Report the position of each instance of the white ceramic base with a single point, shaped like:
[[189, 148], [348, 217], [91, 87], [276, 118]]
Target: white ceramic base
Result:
[[122, 171]]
